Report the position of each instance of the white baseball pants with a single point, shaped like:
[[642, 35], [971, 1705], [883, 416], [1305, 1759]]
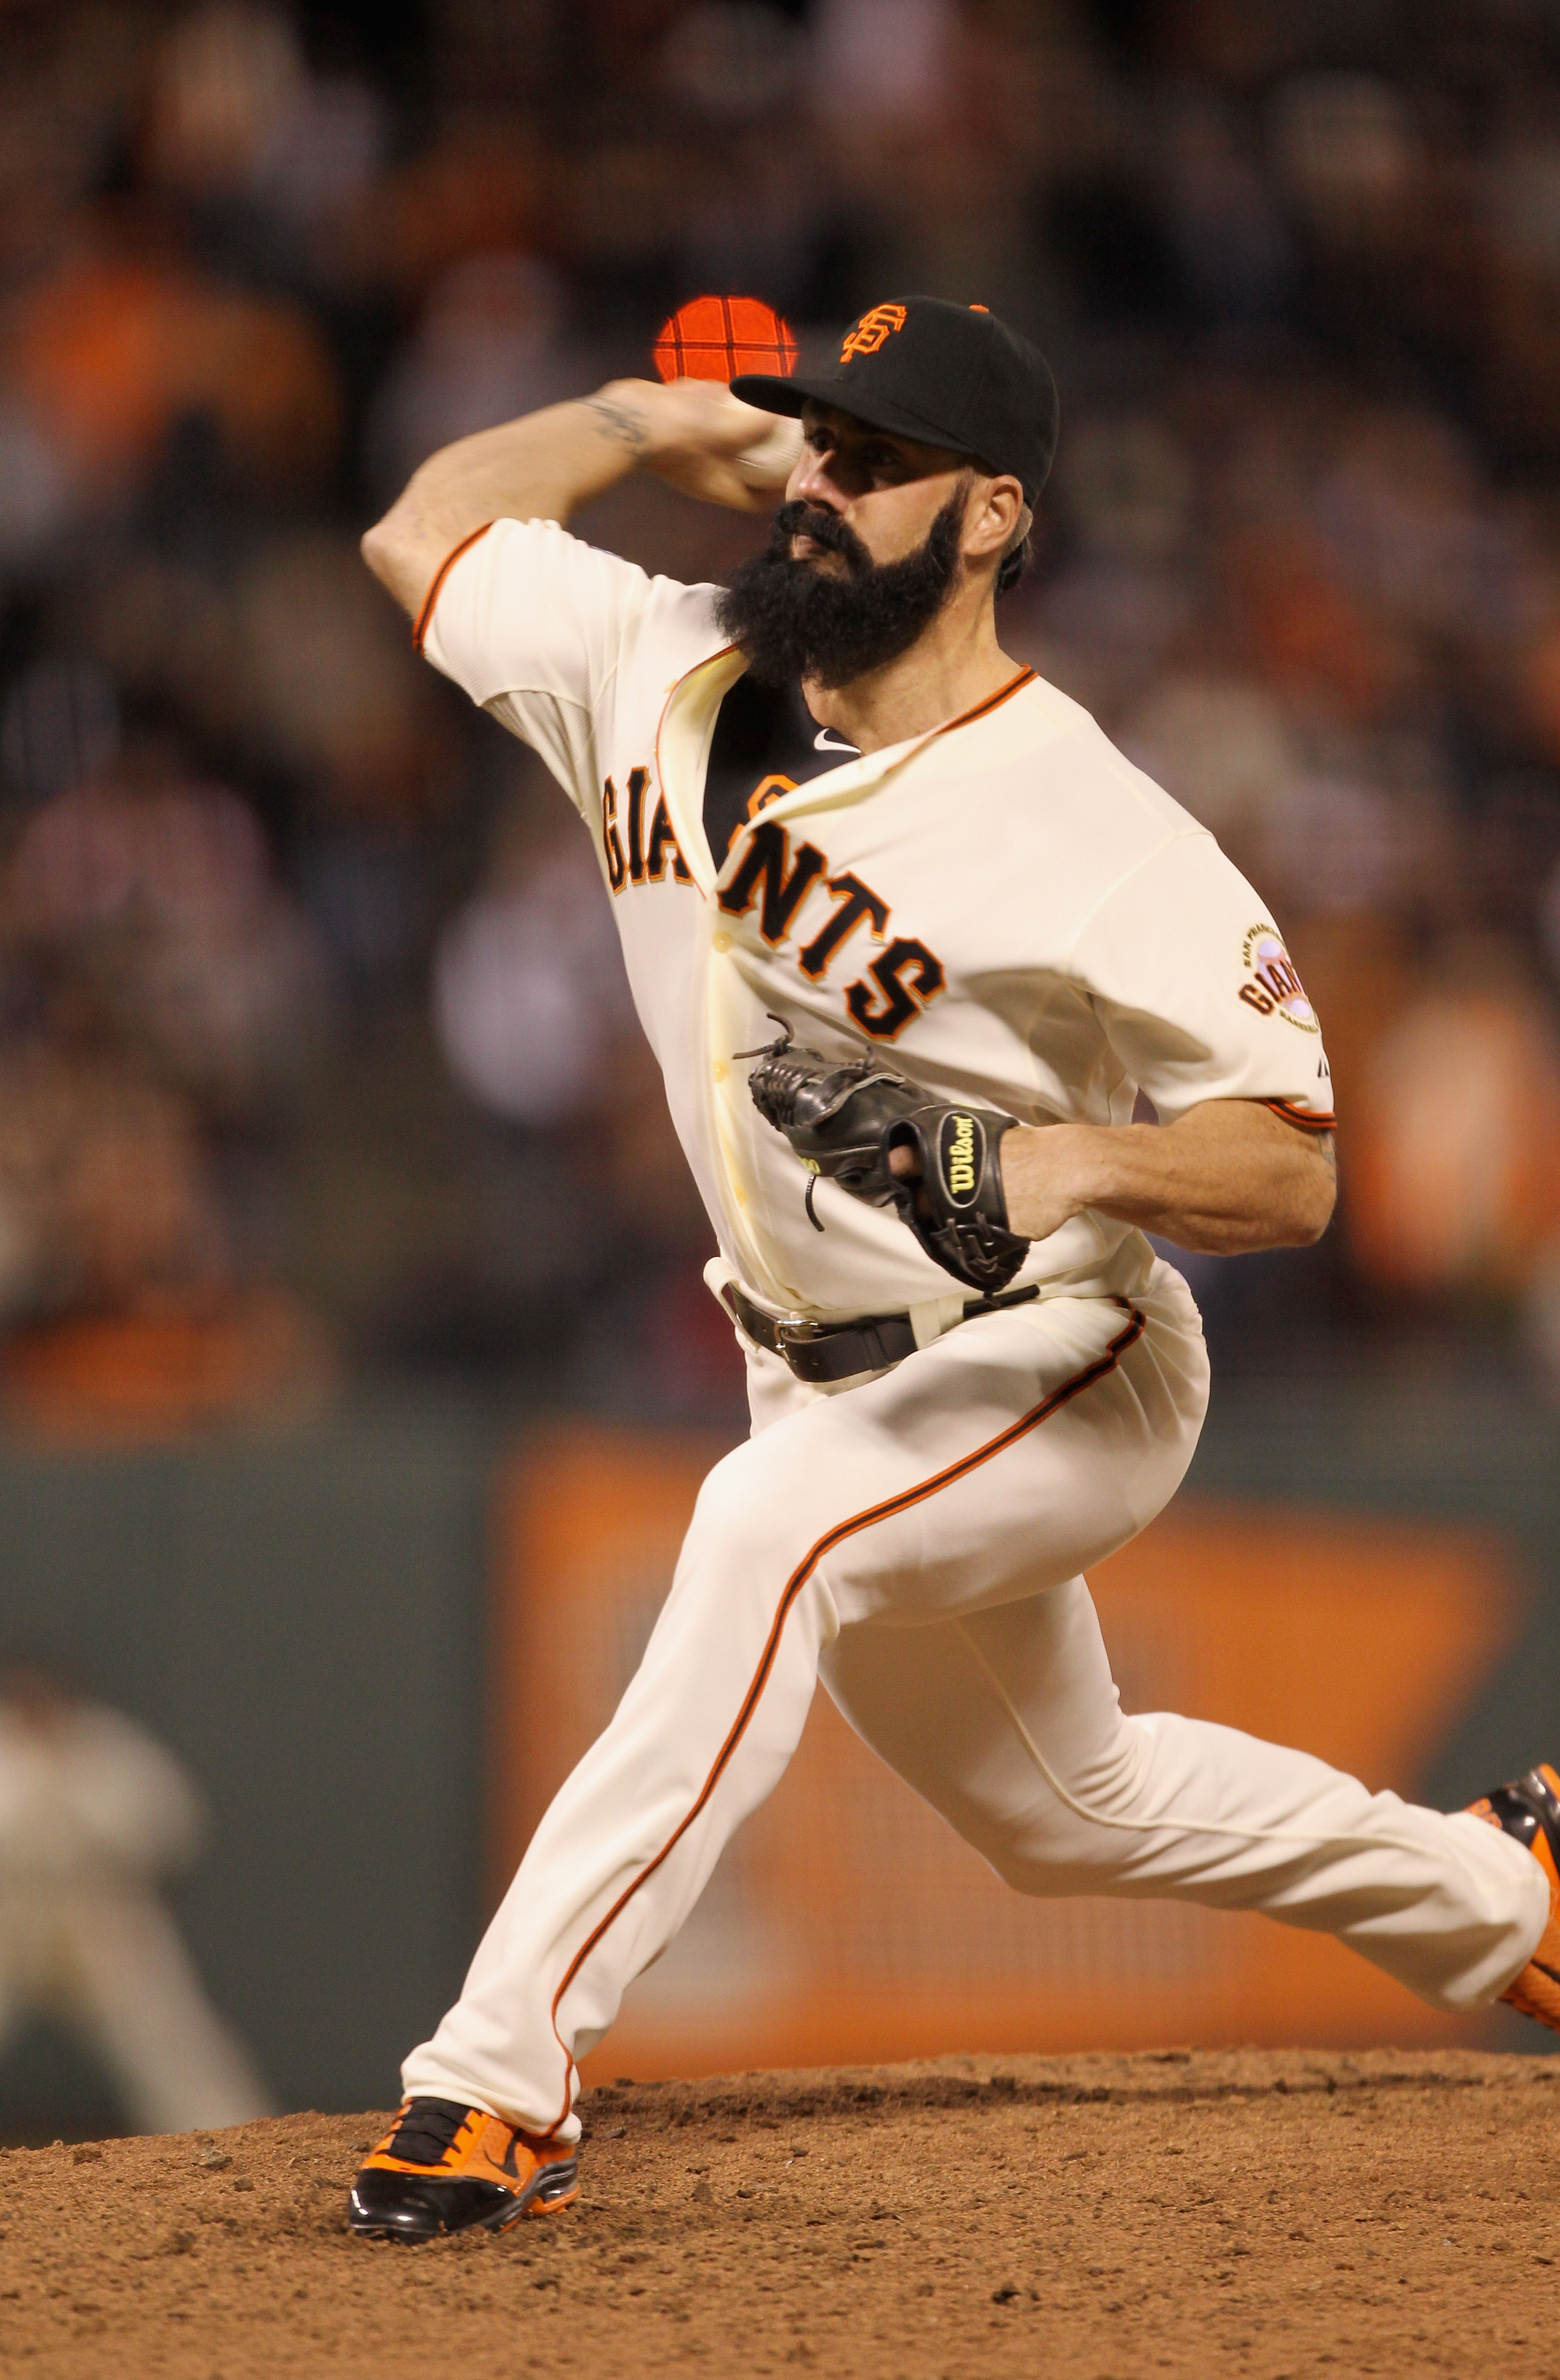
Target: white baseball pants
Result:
[[916, 1540]]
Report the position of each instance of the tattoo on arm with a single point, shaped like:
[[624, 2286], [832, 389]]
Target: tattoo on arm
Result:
[[617, 422]]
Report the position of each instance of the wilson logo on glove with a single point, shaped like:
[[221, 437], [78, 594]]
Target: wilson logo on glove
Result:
[[845, 1117], [961, 1152]]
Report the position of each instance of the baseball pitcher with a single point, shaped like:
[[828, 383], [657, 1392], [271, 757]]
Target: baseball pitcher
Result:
[[908, 937]]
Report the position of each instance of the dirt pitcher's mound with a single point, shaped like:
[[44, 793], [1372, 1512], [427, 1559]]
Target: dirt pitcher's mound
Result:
[[1291, 2212]]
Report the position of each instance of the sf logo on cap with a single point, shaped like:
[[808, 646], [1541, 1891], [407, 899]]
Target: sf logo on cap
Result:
[[871, 330]]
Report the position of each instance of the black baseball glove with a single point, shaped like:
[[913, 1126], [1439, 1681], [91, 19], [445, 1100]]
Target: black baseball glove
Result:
[[844, 1116]]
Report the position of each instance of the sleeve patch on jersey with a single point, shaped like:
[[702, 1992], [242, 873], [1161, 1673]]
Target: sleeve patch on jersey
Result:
[[1272, 988]]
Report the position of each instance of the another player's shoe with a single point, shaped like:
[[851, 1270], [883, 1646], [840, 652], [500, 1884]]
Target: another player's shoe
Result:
[[1528, 1811], [445, 2167]]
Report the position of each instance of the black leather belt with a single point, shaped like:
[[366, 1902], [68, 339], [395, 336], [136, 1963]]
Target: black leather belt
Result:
[[836, 1351]]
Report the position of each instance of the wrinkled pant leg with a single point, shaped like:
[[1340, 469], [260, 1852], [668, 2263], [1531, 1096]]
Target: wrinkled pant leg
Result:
[[1009, 1721]]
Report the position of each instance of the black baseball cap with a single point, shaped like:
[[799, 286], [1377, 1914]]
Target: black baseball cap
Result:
[[947, 375]]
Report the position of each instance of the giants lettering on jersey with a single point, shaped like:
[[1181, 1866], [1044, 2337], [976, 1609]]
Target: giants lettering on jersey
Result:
[[899, 982], [646, 860], [897, 986]]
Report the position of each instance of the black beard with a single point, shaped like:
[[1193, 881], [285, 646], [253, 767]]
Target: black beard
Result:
[[793, 620]]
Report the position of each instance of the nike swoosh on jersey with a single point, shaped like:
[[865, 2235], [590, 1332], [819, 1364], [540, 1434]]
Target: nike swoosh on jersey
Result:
[[823, 742]]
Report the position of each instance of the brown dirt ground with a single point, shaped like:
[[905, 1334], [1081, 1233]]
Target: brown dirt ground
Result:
[[1268, 2213]]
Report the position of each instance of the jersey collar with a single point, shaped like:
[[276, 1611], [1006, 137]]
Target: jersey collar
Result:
[[687, 728]]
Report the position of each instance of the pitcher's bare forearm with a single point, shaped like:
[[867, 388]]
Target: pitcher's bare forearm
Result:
[[546, 464], [1229, 1178]]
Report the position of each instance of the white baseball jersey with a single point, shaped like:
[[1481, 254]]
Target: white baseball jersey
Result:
[[1005, 907], [1015, 915]]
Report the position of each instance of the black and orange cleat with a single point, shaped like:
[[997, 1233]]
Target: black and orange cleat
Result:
[[445, 2167], [1528, 1811]]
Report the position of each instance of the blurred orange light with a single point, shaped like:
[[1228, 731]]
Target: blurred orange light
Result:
[[715, 338]]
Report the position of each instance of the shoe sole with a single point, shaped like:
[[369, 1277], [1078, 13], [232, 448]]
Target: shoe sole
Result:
[[547, 2193]]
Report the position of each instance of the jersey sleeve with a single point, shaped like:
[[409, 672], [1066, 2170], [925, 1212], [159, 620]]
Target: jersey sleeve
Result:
[[534, 625], [1196, 992]]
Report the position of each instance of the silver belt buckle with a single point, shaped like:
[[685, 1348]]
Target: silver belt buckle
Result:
[[798, 1333]]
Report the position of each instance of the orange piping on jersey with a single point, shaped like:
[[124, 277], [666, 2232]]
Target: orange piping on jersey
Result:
[[443, 572], [832, 1537], [993, 702], [1307, 1118]]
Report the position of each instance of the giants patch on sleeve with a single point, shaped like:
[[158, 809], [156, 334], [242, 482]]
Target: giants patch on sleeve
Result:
[[1272, 987]]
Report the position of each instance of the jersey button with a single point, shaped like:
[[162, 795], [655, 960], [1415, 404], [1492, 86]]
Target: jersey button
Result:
[[721, 943], [720, 1069]]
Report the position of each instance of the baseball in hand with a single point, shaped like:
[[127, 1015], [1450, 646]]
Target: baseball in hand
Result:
[[710, 340], [770, 462]]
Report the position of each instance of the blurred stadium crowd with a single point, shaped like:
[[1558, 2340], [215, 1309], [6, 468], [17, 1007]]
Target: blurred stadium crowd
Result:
[[315, 1058]]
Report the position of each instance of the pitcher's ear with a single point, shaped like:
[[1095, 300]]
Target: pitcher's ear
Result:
[[1017, 555]]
